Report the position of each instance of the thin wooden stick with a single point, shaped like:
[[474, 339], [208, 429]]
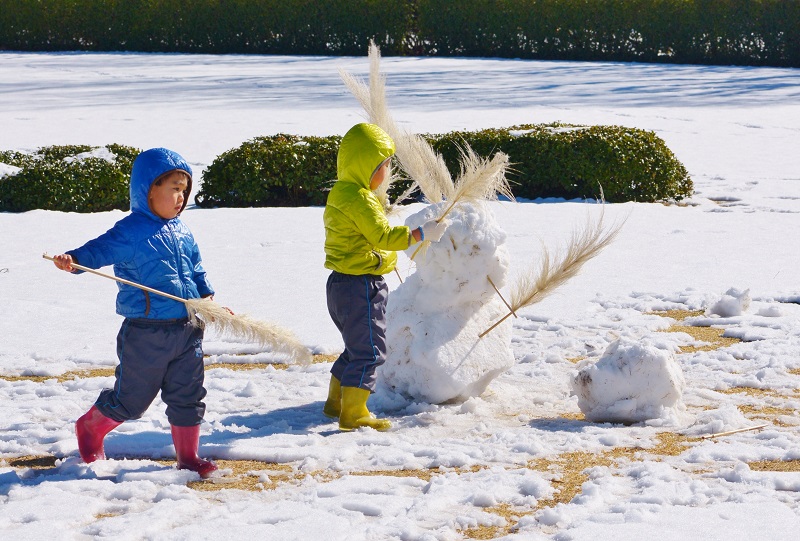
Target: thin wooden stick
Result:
[[242, 326], [122, 280], [446, 212], [500, 295], [729, 432], [490, 329], [421, 244], [398, 275]]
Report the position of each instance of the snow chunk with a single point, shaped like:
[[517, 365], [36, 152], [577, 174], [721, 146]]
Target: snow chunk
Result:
[[770, 311], [633, 381], [733, 303], [7, 170]]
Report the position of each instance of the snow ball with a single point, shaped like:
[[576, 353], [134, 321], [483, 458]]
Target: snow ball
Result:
[[633, 381], [733, 303]]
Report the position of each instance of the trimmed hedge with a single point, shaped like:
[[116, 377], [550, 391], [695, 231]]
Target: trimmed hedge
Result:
[[341, 27], [553, 160], [277, 171], [59, 178], [745, 32], [548, 160], [562, 160]]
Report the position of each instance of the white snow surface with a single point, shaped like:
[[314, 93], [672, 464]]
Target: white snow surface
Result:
[[735, 128]]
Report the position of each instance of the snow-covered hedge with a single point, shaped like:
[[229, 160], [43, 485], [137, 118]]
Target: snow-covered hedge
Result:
[[553, 160], [74, 178]]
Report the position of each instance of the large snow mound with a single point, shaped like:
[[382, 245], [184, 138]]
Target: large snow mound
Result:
[[633, 381], [435, 317]]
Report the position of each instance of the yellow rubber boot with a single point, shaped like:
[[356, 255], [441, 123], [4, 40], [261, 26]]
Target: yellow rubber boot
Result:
[[333, 405], [355, 413]]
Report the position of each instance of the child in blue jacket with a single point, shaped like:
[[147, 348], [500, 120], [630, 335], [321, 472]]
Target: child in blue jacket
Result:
[[158, 348]]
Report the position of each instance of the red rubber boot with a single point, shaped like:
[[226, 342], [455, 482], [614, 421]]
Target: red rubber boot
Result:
[[187, 441], [91, 428]]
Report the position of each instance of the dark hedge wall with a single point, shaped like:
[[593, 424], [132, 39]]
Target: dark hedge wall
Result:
[[745, 32]]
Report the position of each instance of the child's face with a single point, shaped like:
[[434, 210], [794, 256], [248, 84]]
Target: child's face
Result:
[[379, 175], [166, 198]]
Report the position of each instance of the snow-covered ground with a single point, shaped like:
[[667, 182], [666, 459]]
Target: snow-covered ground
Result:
[[507, 463]]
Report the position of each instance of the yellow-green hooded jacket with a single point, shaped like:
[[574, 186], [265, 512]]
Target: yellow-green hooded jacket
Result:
[[358, 237]]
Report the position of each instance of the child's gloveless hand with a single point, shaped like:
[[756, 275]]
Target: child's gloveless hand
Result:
[[64, 262]]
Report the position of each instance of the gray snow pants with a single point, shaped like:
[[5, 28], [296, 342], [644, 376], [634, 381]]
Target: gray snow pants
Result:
[[157, 355], [357, 305]]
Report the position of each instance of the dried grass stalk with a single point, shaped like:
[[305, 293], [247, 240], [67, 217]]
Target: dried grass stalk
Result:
[[416, 157], [480, 179], [247, 328], [536, 284], [240, 326]]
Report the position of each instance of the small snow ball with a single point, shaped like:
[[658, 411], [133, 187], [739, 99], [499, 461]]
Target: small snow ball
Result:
[[733, 303], [633, 381]]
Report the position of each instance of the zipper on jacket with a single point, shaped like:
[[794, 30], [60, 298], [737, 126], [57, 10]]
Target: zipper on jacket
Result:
[[179, 260]]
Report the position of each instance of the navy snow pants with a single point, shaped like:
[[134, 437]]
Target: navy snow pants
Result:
[[357, 305], [157, 355]]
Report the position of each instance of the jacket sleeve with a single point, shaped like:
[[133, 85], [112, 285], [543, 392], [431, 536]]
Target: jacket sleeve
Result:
[[200, 279], [111, 247], [372, 223]]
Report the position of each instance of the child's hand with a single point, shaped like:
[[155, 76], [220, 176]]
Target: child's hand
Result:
[[433, 230], [211, 298], [64, 262]]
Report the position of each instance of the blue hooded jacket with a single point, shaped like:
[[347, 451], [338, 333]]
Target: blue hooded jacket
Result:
[[149, 250]]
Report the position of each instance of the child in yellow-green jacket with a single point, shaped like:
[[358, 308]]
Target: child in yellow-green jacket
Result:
[[361, 246]]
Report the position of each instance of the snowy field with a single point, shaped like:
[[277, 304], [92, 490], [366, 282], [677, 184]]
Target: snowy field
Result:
[[519, 462]]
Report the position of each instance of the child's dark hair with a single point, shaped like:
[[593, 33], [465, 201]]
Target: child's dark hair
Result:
[[160, 179]]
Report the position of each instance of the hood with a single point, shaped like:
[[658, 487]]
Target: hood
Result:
[[361, 151], [147, 167]]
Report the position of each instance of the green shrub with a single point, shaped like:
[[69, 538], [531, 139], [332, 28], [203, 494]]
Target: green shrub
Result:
[[747, 32], [559, 160], [279, 171], [554, 160], [54, 179]]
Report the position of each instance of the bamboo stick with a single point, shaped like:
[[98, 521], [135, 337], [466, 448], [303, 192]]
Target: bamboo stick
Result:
[[122, 280], [490, 329], [501, 296], [729, 432], [239, 325]]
